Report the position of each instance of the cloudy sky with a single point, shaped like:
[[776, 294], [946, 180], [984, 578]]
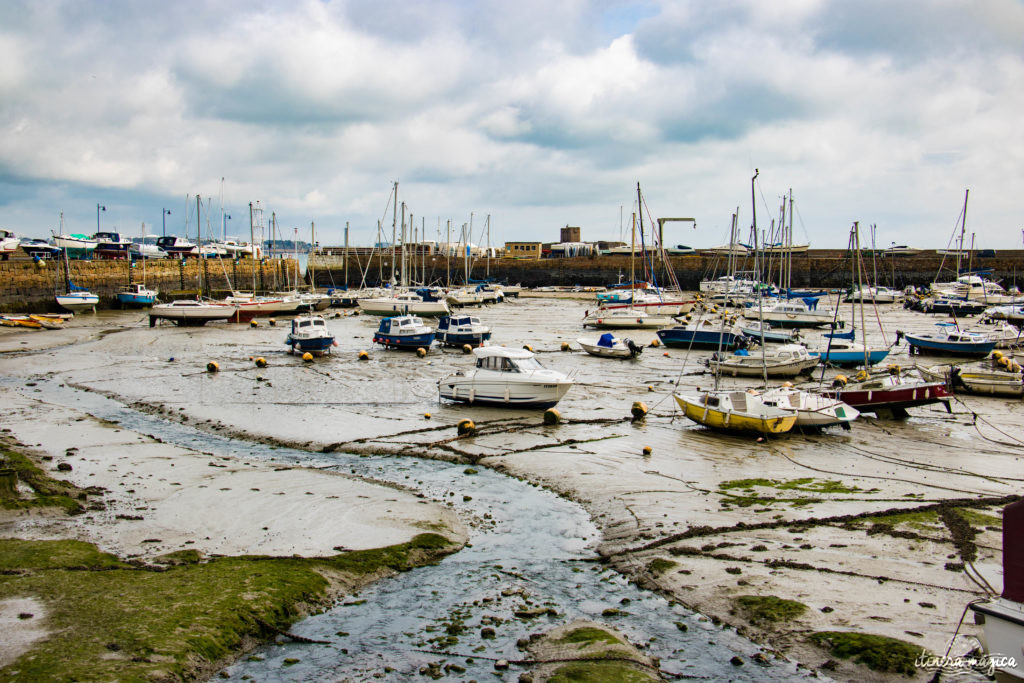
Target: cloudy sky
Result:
[[539, 113]]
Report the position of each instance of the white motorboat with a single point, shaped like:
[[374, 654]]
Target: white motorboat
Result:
[[309, 333], [609, 346], [191, 312], [1002, 616], [793, 313], [9, 243], [879, 295], [813, 411], [785, 360], [177, 247], [625, 318], [405, 302], [506, 377], [145, 249]]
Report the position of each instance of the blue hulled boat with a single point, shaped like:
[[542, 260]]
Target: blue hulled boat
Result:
[[456, 330], [842, 350], [950, 340], [404, 332], [310, 333], [137, 295], [703, 335]]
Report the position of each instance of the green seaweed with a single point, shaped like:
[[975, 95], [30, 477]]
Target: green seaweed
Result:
[[47, 491], [660, 565], [769, 608], [588, 635], [111, 621], [591, 672], [879, 653], [803, 484]]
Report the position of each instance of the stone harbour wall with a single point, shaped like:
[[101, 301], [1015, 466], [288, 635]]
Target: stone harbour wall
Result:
[[27, 286]]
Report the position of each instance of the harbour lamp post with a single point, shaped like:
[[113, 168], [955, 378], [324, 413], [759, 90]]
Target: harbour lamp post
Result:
[[164, 213], [99, 207]]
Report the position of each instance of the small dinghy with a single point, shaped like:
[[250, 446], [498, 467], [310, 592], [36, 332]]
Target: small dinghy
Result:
[[609, 346]]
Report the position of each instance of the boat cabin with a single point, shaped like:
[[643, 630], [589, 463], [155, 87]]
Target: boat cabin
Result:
[[403, 324], [453, 322], [307, 325]]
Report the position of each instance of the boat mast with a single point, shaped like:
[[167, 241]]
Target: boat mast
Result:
[[963, 228], [789, 236], [312, 257], [394, 230], [488, 246], [860, 286], [252, 246], [405, 282], [199, 246], [757, 283], [344, 259], [448, 253]]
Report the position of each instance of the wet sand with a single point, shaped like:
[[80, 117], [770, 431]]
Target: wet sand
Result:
[[809, 542]]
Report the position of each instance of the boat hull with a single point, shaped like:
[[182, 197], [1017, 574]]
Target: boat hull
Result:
[[459, 339], [504, 394], [140, 300], [312, 345], [893, 399], [699, 339], [406, 342], [78, 302], [923, 345], [734, 421], [848, 359], [190, 314]]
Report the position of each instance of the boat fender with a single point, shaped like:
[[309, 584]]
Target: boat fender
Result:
[[665, 354], [465, 427], [787, 384], [639, 411], [261, 362], [466, 348], [334, 343], [426, 416], [565, 346], [363, 355], [552, 416], [307, 357], [839, 381], [253, 323], [650, 387], [640, 321], [530, 348], [271, 322], [655, 343], [1015, 367], [1005, 362], [212, 366], [421, 352], [648, 450], [861, 376], [894, 369], [996, 355]]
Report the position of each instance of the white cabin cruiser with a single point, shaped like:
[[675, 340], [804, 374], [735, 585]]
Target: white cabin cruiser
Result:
[[506, 377]]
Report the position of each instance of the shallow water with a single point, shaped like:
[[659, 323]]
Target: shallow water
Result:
[[528, 549]]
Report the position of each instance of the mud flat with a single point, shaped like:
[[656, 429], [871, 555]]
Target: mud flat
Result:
[[887, 530]]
